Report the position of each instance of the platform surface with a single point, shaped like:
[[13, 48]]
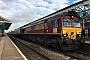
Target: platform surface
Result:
[[8, 51]]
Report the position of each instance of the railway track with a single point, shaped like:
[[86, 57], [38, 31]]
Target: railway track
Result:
[[30, 53], [55, 54], [83, 53], [78, 55], [48, 54]]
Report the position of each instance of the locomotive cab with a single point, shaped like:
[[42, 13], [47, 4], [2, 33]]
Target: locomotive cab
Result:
[[71, 32], [71, 28]]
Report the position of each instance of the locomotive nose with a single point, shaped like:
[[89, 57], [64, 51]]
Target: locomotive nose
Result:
[[71, 33]]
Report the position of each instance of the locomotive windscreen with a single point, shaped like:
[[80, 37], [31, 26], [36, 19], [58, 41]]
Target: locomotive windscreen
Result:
[[71, 21]]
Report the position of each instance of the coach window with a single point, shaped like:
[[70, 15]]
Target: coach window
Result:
[[33, 27]]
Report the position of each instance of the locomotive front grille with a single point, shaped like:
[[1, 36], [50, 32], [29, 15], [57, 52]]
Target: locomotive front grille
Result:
[[71, 33]]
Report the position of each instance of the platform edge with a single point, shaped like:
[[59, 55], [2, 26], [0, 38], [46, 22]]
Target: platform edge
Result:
[[18, 50]]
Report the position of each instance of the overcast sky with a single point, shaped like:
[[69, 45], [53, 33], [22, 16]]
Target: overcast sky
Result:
[[22, 12]]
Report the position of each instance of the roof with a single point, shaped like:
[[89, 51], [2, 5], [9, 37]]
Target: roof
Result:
[[69, 8], [4, 23]]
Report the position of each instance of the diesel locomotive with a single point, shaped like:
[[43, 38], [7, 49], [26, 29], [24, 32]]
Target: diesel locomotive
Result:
[[62, 31]]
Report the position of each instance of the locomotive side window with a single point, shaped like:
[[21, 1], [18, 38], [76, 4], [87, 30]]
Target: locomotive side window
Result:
[[58, 22], [76, 23], [67, 22], [54, 23]]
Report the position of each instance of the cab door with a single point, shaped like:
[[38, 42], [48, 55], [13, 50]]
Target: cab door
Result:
[[59, 26], [54, 26]]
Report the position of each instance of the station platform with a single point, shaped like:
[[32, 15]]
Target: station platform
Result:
[[9, 51]]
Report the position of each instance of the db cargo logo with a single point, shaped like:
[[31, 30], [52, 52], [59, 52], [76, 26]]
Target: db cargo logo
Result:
[[55, 30]]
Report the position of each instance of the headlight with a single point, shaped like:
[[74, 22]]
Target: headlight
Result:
[[65, 35], [78, 35]]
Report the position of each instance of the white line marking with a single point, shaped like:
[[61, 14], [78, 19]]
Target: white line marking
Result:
[[18, 50]]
